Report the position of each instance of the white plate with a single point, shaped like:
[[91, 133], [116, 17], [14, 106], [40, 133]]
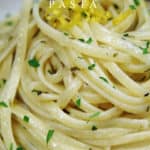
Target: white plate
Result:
[[9, 7]]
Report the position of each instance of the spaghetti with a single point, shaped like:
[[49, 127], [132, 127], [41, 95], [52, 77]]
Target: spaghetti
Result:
[[76, 78]]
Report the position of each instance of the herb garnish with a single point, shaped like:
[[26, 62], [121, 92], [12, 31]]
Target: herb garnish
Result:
[[83, 14], [34, 63], [136, 4], [91, 67], [66, 34], [38, 92], [94, 128], [104, 79], [9, 23], [26, 119], [145, 49], [96, 114], [19, 148], [133, 7], [126, 34], [49, 135], [88, 41], [78, 102], [11, 146], [3, 104], [115, 54]]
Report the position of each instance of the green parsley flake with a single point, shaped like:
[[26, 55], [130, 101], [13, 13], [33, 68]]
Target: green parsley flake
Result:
[[126, 34], [19, 148], [136, 2], [145, 49], [66, 34], [34, 63], [78, 102], [104, 79], [81, 40], [26, 119], [115, 54], [11, 146], [49, 135], [133, 7], [91, 67], [147, 44], [84, 14], [94, 128], [89, 41], [38, 92], [9, 23], [3, 104], [94, 115]]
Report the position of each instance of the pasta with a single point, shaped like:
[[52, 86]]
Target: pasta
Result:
[[74, 77]]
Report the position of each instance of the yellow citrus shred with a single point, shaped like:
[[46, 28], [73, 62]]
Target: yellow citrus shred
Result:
[[124, 15], [65, 15]]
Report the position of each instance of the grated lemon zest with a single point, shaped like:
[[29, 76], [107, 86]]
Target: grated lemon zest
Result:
[[64, 18]]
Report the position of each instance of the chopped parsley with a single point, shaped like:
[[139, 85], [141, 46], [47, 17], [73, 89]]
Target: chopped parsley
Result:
[[137, 2], [145, 49], [104, 79], [26, 119], [3, 104], [115, 54], [94, 128], [81, 40], [126, 34], [49, 135], [83, 14], [11, 146], [133, 7], [91, 67], [38, 92], [78, 102], [34, 63], [9, 23], [147, 44], [66, 34], [88, 41], [19, 148], [96, 114]]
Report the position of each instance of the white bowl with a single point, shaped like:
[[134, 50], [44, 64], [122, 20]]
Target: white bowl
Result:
[[9, 7]]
